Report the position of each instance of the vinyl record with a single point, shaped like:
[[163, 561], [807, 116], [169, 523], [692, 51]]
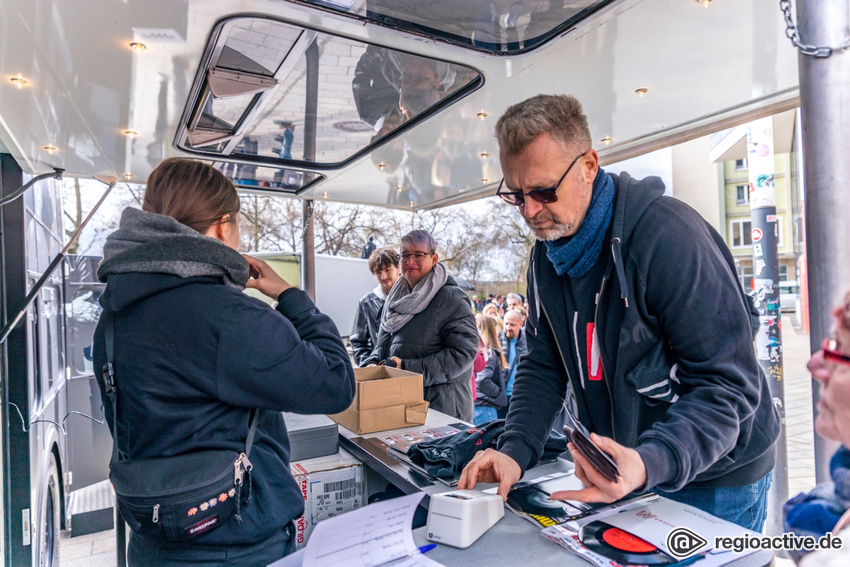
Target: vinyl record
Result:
[[622, 546], [533, 501]]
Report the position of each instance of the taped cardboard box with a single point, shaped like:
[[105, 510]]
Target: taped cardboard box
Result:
[[330, 486], [386, 398], [382, 419]]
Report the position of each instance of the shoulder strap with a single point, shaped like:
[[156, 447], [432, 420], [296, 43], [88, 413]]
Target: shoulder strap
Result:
[[112, 388]]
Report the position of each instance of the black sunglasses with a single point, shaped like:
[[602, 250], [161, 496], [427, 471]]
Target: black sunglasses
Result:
[[547, 195]]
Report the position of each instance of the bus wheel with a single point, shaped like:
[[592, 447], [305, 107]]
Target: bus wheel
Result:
[[49, 544]]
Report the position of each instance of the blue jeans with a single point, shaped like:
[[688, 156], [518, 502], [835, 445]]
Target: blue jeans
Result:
[[483, 414], [742, 505]]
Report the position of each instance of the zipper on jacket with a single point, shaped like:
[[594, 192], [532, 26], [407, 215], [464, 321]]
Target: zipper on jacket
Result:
[[156, 514], [602, 358]]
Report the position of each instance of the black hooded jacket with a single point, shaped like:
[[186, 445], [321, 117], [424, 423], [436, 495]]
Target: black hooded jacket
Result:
[[676, 343], [193, 357]]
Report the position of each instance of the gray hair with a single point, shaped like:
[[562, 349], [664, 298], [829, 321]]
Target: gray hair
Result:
[[514, 296], [560, 115], [419, 239]]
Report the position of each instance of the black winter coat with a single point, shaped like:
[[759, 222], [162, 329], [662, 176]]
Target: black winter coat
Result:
[[676, 343], [440, 343], [490, 383], [193, 357]]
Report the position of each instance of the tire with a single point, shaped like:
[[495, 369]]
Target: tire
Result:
[[48, 552]]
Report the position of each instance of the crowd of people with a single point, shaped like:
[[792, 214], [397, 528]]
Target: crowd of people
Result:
[[607, 334]]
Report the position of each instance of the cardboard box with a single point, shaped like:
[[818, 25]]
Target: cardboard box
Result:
[[386, 398], [330, 486]]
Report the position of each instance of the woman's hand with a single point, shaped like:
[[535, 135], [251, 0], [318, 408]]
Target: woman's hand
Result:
[[264, 279]]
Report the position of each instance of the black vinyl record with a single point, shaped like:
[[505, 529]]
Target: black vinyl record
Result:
[[536, 502], [622, 546]]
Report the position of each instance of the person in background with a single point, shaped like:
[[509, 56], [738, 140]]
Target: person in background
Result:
[[490, 382], [827, 507], [368, 248], [383, 263], [615, 283], [513, 300], [194, 355], [512, 341], [427, 327], [491, 309]]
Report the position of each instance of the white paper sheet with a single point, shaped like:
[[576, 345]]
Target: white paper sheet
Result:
[[378, 535]]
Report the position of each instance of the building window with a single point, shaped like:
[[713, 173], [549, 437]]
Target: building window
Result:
[[783, 273], [741, 232], [779, 229], [745, 276], [740, 164], [743, 192]]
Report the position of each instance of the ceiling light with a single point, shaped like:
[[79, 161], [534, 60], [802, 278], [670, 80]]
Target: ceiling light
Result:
[[138, 47], [704, 2], [19, 81], [485, 155], [606, 140], [482, 115], [49, 148], [399, 188], [641, 91], [129, 175], [325, 195], [483, 180], [411, 204], [382, 166], [131, 133]]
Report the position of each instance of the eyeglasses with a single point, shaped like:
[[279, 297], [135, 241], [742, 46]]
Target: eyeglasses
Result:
[[415, 256], [831, 354], [547, 195]]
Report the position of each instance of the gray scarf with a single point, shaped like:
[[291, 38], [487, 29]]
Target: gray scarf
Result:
[[153, 243], [403, 303]]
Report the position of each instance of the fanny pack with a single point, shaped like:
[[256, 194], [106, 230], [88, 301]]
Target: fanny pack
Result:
[[181, 497]]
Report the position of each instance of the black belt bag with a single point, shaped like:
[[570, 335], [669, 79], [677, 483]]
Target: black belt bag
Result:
[[181, 497]]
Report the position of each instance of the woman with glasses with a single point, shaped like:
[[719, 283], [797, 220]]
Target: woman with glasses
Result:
[[827, 507], [427, 327]]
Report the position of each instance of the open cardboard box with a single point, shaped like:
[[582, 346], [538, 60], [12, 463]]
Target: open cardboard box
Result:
[[386, 398]]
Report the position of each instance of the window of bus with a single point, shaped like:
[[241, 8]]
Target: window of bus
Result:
[[504, 28], [276, 94]]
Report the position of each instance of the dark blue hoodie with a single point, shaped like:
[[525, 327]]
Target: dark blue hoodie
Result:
[[193, 356]]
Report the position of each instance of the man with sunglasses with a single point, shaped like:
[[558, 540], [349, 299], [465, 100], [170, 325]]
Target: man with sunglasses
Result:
[[637, 322]]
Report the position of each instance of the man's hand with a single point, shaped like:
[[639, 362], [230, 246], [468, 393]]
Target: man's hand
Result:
[[598, 488], [397, 361], [490, 466]]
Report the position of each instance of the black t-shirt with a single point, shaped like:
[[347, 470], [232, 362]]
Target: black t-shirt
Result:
[[580, 298]]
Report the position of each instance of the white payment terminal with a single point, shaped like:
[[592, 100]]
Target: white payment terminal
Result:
[[460, 517]]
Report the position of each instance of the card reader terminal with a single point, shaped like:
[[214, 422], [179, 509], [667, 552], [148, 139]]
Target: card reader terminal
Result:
[[460, 517]]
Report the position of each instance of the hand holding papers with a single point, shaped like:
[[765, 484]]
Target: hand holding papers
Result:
[[378, 535]]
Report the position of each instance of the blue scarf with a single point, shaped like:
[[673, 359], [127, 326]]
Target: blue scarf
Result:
[[576, 255], [818, 511]]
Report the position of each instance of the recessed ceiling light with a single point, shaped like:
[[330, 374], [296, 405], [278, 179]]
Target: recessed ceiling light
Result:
[[483, 180], [138, 47], [704, 2], [606, 140], [131, 133], [411, 204], [482, 115], [49, 148], [325, 195], [485, 155], [399, 188], [129, 175], [382, 166], [19, 81], [641, 91]]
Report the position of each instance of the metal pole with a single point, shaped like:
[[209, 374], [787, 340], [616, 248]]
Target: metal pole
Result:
[[311, 109], [765, 237], [825, 108]]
